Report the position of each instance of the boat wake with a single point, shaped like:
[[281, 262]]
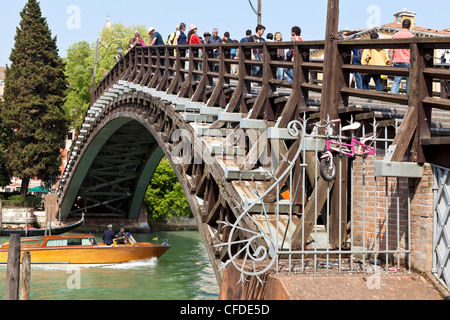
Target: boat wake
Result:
[[120, 266], [134, 264]]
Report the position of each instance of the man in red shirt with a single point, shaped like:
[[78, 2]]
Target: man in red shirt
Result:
[[295, 36], [401, 57]]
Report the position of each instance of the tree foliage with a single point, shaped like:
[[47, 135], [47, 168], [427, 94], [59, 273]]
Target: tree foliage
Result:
[[165, 198], [33, 99], [4, 174], [80, 67]]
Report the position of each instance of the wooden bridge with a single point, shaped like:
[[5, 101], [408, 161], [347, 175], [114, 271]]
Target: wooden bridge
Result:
[[246, 150]]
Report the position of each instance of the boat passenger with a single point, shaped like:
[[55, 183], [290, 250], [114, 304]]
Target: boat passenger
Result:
[[108, 236], [121, 236]]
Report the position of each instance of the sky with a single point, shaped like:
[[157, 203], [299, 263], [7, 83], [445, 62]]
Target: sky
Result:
[[77, 20]]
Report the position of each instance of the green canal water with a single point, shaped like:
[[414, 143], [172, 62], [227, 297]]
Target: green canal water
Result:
[[182, 273]]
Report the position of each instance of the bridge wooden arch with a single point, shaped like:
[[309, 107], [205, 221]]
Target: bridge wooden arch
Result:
[[215, 127]]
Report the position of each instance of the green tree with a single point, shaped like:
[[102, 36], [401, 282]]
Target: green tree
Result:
[[80, 66], [33, 98], [165, 198], [4, 174]]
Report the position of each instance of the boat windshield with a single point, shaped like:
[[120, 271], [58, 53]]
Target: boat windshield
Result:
[[71, 242]]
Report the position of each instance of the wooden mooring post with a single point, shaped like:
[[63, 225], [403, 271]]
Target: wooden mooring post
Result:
[[26, 276], [13, 271], [13, 268]]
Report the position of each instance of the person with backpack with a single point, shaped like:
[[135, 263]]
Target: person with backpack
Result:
[[374, 57], [173, 36]]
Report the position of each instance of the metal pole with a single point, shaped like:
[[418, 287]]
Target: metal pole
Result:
[[95, 71], [259, 11]]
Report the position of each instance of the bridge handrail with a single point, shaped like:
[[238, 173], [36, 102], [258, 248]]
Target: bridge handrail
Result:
[[161, 68]]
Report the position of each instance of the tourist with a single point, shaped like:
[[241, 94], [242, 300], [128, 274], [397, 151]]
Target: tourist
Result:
[[281, 55], [228, 36], [173, 36], [248, 35], [214, 39], [401, 57], [155, 37], [269, 37], [295, 37], [374, 57], [181, 39], [131, 44], [258, 53], [138, 39], [192, 37], [356, 60], [206, 35], [108, 236]]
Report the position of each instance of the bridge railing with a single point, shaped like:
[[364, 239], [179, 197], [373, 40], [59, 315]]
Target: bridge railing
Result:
[[194, 70], [239, 83]]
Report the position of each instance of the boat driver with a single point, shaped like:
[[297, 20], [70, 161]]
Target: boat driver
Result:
[[122, 236]]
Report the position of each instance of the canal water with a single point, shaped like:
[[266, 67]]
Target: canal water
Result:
[[182, 273]]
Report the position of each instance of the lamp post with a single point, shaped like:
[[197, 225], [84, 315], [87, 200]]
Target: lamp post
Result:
[[119, 52], [258, 11]]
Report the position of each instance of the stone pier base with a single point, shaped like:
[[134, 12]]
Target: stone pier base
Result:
[[396, 286]]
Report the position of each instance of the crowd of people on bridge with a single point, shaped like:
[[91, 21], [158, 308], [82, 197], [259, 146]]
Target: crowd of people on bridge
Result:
[[380, 57], [373, 57], [181, 37]]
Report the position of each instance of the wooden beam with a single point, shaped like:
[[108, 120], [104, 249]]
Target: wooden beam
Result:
[[338, 204], [308, 219], [330, 95], [255, 152]]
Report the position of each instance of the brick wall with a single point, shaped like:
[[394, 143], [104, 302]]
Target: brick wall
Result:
[[380, 214]]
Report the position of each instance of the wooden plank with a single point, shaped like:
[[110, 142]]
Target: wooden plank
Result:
[[443, 104], [380, 96], [437, 73], [390, 71]]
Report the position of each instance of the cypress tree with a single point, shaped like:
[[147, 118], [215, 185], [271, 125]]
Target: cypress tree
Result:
[[33, 99], [4, 174]]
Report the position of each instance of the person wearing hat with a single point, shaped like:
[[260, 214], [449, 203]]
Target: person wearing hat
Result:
[[155, 37], [138, 39], [356, 59], [192, 37]]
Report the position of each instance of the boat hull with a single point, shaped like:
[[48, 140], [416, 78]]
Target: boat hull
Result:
[[42, 232], [100, 255]]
